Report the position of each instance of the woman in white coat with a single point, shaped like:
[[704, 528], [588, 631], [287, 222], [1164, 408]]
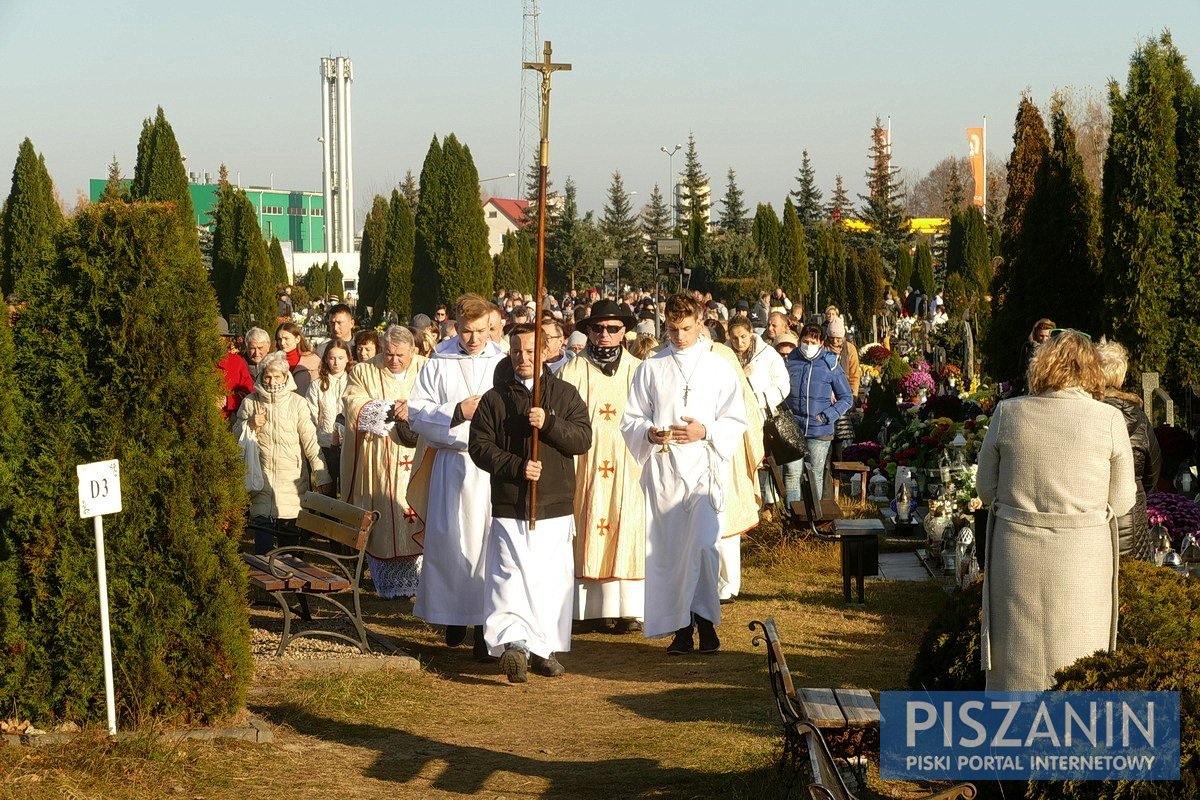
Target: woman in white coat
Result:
[[768, 376], [1057, 470], [288, 451]]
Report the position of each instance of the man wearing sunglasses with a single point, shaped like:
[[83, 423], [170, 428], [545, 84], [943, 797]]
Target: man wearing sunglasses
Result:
[[610, 525]]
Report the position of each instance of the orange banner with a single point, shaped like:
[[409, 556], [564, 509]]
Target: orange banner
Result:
[[975, 140]]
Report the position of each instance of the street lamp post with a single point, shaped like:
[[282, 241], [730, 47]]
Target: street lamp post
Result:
[[482, 181], [671, 181]]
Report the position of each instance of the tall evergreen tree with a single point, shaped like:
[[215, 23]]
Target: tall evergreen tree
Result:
[[372, 270], [793, 255], [562, 245], [829, 261], [956, 193], [410, 190], [1149, 190], [656, 218], [315, 281], [337, 282], [695, 185], [532, 197], [767, 232], [429, 218], [515, 269], [839, 208], [397, 272], [227, 272], [178, 598], [114, 188], [624, 234], [256, 296], [279, 267], [904, 269], [883, 205], [451, 247], [806, 195], [733, 215], [31, 220], [1010, 317], [923, 277], [160, 175]]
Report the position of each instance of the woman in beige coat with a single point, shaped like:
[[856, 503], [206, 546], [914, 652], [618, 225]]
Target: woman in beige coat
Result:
[[288, 449], [1057, 470]]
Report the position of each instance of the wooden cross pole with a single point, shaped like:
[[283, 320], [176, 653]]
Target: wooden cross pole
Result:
[[547, 68]]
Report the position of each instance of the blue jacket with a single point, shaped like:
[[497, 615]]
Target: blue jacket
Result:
[[820, 392]]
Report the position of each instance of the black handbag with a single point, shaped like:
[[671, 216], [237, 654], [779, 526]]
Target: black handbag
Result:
[[782, 437]]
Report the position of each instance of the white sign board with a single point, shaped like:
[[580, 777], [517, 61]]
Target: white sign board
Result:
[[99, 488]]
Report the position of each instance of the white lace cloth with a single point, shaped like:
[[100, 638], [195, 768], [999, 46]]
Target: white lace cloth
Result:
[[395, 577], [373, 418]]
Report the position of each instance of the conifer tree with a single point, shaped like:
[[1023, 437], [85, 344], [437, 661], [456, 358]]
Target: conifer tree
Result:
[[114, 188], [806, 195], [904, 269], [923, 277], [178, 597], [514, 267], [337, 283], [696, 243], [31, 220], [13, 448], [372, 271], [562, 255], [315, 280], [256, 295], [533, 199], [793, 255], [398, 260], [451, 247], [883, 205], [1149, 191], [656, 218], [733, 215], [829, 261], [428, 242], [956, 193], [767, 233], [839, 208], [410, 191], [279, 267], [225, 273], [695, 184], [852, 302], [160, 175], [621, 228]]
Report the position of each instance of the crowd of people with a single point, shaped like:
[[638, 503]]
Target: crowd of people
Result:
[[647, 468]]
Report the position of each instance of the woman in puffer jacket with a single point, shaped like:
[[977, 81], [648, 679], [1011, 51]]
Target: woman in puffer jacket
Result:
[[1133, 528], [820, 393], [288, 451]]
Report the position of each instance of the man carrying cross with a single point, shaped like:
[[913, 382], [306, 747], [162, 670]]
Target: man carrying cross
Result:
[[683, 419], [528, 570], [610, 521]]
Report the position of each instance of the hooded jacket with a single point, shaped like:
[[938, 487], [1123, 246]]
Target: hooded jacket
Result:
[[288, 450], [819, 393], [501, 437]]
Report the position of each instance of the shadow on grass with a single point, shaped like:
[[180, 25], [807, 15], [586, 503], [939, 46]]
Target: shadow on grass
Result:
[[421, 763]]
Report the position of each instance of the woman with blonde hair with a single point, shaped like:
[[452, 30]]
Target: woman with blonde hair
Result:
[[325, 402], [302, 361], [1134, 527], [1057, 470]]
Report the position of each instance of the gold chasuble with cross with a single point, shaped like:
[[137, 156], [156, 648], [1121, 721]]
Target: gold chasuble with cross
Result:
[[376, 469], [744, 498], [610, 517]]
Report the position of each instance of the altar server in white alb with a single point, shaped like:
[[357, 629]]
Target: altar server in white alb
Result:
[[530, 570], [450, 493], [683, 420]]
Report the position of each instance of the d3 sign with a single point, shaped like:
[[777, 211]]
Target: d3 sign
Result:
[[99, 488]]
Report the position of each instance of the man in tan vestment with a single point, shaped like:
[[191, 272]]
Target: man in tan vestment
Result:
[[377, 461], [610, 524]]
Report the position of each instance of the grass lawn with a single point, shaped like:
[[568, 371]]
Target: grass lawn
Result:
[[627, 721]]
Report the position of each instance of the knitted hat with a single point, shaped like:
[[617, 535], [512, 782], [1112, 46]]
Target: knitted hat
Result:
[[421, 321], [836, 328], [576, 339]]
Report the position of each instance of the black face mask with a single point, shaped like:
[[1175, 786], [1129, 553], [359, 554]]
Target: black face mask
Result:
[[606, 358]]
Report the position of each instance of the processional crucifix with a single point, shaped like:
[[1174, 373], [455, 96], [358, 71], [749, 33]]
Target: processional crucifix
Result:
[[547, 68]]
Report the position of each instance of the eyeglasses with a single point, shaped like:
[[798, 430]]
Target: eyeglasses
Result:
[[1056, 331], [607, 328]]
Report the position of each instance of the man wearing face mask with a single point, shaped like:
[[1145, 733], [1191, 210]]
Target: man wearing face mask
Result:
[[820, 393]]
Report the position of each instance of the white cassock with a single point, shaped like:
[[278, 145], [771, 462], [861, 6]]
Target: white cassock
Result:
[[683, 487], [453, 495], [530, 579]]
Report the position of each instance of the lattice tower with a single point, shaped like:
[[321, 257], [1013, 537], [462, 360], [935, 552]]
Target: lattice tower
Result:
[[531, 121]]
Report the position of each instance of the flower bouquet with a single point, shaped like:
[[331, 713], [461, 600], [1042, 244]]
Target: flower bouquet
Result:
[[914, 382], [866, 452], [1174, 512], [874, 354]]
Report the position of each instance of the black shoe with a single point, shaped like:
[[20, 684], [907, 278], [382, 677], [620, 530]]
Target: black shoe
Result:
[[549, 667], [627, 625], [456, 635], [709, 643], [480, 648], [514, 665], [682, 643]]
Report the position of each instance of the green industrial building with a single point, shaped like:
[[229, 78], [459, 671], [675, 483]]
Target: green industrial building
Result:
[[295, 217]]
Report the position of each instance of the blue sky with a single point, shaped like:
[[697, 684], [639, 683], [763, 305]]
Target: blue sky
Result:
[[756, 82]]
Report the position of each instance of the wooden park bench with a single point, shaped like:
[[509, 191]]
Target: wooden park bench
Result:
[[817, 722], [290, 571]]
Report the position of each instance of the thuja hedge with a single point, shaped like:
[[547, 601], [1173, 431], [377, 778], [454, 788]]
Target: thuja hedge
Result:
[[1158, 607], [117, 361]]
